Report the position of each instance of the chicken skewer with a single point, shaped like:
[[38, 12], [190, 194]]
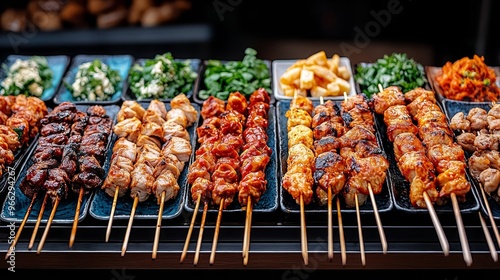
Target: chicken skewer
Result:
[[357, 113], [176, 152], [124, 154], [92, 131], [298, 180], [447, 156], [478, 135], [329, 166], [254, 158], [200, 171], [410, 153], [226, 176]]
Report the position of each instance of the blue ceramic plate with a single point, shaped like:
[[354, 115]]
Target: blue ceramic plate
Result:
[[16, 203], [401, 186], [100, 207], [269, 200], [451, 107], [383, 200], [195, 65], [122, 63], [58, 65]]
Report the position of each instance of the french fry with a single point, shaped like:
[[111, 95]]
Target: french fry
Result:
[[318, 58], [306, 79], [334, 89], [334, 63], [318, 91], [343, 72], [290, 75], [322, 72], [342, 84]]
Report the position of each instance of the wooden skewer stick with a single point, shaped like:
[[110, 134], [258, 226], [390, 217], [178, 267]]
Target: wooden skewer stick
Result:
[[216, 233], [38, 221], [360, 232], [200, 233], [158, 226], [377, 218], [490, 215], [190, 230], [303, 231], [461, 231], [341, 233], [248, 226], [330, 226], [129, 226], [489, 241], [437, 225], [21, 227], [112, 213], [330, 218], [47, 227], [77, 216]]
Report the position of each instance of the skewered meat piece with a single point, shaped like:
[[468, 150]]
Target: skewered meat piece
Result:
[[413, 94], [181, 101], [333, 128], [419, 106], [359, 116], [297, 116], [453, 180], [300, 134], [177, 116], [302, 102], [329, 172], [490, 180], [141, 181], [237, 102], [327, 111], [478, 118], [253, 185], [128, 128], [165, 182], [390, 96], [211, 107], [486, 141], [420, 172], [441, 154], [326, 144], [366, 171], [171, 128], [459, 122], [9, 137], [36, 175], [466, 140], [150, 140], [297, 181], [358, 133], [57, 184], [478, 162], [406, 142], [151, 129], [130, 109], [398, 120], [434, 133], [180, 147], [431, 116]]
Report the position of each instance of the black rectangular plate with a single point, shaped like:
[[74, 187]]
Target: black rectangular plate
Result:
[[401, 186], [269, 200], [16, 203], [383, 200], [100, 207], [451, 107]]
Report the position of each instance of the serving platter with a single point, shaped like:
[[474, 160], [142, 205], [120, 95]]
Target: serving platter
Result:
[[400, 186], [57, 63], [433, 71], [384, 200], [279, 67], [452, 107], [16, 203], [121, 63], [269, 200], [101, 204], [195, 64]]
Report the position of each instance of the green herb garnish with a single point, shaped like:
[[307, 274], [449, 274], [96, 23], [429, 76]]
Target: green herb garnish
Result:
[[245, 76], [29, 77], [391, 70]]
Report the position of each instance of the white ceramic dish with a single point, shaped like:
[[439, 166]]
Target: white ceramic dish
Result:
[[280, 66]]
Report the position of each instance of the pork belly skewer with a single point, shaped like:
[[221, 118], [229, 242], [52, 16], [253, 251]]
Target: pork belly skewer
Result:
[[124, 154], [226, 176], [92, 132], [434, 130], [409, 153], [298, 180], [254, 158], [200, 171], [176, 151]]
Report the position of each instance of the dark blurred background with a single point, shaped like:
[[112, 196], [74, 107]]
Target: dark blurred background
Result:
[[362, 30]]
